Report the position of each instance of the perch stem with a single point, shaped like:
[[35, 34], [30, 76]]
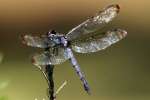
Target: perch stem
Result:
[[49, 72]]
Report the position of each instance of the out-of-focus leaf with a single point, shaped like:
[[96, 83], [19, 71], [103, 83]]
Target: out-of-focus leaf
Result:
[[3, 84], [3, 98]]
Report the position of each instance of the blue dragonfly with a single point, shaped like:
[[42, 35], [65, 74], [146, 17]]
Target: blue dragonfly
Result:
[[84, 38]]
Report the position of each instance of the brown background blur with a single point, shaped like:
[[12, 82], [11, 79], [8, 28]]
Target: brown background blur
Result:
[[121, 72]]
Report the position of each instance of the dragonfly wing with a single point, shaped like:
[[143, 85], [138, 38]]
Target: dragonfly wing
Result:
[[97, 43], [35, 41], [94, 23], [53, 57]]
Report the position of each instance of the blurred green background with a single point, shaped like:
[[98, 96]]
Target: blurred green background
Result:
[[121, 72]]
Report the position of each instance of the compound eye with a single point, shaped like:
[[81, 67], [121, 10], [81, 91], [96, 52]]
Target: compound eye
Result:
[[53, 32]]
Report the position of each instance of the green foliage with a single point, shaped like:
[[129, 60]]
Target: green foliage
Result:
[[3, 98]]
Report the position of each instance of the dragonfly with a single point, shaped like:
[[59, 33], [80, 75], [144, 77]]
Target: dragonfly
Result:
[[84, 38]]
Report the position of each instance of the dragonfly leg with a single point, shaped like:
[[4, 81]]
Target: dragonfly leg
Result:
[[78, 71]]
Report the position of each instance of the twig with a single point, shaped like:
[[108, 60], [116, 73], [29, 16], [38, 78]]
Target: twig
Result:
[[49, 72], [43, 72], [60, 88]]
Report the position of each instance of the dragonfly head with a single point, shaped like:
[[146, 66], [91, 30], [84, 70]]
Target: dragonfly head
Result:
[[52, 32]]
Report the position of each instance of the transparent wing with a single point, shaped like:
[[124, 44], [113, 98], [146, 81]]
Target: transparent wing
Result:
[[53, 57], [94, 23], [97, 43], [36, 41]]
